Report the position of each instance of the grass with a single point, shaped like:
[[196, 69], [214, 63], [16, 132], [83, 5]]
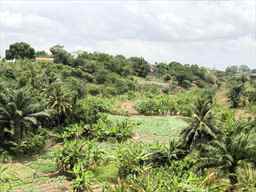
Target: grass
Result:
[[156, 129], [106, 173], [29, 175]]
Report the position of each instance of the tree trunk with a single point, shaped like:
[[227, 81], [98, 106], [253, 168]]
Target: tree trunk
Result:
[[232, 178], [21, 133]]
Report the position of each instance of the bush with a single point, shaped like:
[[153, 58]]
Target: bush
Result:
[[4, 156], [147, 106], [92, 107], [120, 130], [31, 144], [178, 176], [235, 95], [149, 89], [167, 77], [181, 104], [109, 91], [120, 85], [131, 159], [87, 154], [83, 178], [77, 131], [252, 108], [185, 101], [163, 179], [160, 105], [92, 89]]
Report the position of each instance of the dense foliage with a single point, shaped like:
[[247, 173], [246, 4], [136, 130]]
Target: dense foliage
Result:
[[20, 50], [185, 75], [70, 103]]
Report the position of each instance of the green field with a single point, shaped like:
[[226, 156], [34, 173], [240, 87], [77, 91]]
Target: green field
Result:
[[159, 129], [29, 175]]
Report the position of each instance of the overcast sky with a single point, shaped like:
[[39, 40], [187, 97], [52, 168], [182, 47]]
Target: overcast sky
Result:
[[210, 33]]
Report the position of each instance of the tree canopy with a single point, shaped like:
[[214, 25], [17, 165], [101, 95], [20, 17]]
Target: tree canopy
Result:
[[20, 50]]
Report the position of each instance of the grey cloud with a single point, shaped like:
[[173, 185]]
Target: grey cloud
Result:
[[213, 34]]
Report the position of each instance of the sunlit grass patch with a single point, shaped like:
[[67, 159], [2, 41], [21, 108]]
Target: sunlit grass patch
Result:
[[157, 128]]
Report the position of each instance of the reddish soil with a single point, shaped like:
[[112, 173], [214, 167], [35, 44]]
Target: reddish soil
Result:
[[129, 107]]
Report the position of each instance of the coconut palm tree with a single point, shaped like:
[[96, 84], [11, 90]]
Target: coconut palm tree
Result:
[[18, 113], [60, 101], [228, 153], [202, 128]]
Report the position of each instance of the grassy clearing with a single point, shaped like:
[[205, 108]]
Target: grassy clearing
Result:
[[31, 175], [156, 129]]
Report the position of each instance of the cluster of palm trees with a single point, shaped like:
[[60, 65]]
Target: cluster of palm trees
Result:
[[19, 114], [34, 95], [221, 149]]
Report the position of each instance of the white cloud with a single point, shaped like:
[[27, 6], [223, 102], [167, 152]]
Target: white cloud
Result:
[[216, 33]]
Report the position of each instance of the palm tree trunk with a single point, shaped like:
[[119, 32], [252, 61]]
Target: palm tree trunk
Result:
[[232, 178], [21, 133], [1, 136]]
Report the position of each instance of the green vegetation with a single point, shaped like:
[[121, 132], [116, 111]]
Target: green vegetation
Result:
[[154, 129], [20, 50], [98, 122]]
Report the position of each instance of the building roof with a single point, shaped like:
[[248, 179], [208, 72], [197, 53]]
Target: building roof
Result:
[[47, 59]]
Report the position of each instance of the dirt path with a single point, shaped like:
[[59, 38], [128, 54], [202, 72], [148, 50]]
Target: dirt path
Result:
[[221, 97]]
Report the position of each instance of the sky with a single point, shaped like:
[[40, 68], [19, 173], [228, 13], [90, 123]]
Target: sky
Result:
[[213, 33]]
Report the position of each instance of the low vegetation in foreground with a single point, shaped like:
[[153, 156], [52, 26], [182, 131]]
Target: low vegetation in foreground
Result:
[[98, 122]]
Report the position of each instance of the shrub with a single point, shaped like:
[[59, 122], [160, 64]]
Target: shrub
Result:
[[160, 105], [185, 102], [167, 77], [87, 154], [121, 85], [83, 178], [147, 106], [92, 89], [92, 107], [252, 108], [149, 89], [235, 95], [131, 159], [120, 130], [31, 144], [109, 91], [77, 131], [176, 177], [224, 116], [4, 156]]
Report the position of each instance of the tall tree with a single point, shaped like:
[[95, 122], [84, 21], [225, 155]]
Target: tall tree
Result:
[[41, 54], [20, 50], [60, 55], [140, 66]]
